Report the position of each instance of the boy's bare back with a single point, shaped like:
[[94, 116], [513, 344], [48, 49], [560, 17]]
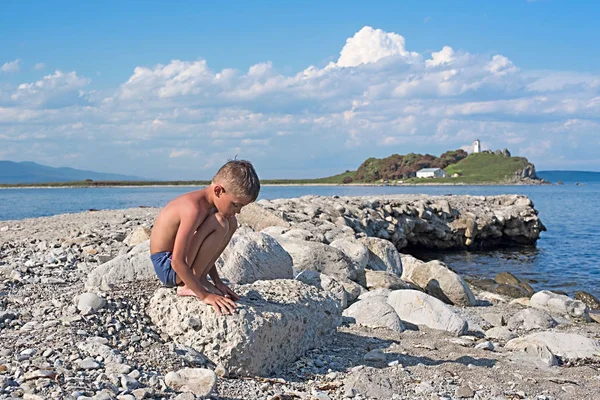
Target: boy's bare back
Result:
[[193, 205]]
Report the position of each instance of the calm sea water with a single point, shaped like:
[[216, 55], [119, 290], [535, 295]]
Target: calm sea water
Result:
[[567, 256]]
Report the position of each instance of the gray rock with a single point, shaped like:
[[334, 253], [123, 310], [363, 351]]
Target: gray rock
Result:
[[322, 258], [354, 249], [374, 312], [557, 303], [258, 217], [372, 383], [422, 309], [199, 381], [500, 333], [252, 256], [276, 322], [375, 355], [589, 300], [439, 281], [494, 319], [89, 302], [385, 280], [138, 236], [383, 256], [529, 319], [96, 346], [134, 266], [569, 346], [326, 283]]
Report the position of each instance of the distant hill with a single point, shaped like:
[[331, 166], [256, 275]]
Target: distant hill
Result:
[[569, 176], [29, 172], [485, 167]]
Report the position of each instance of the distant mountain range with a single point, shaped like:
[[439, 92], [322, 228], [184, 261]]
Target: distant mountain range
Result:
[[569, 176], [29, 172]]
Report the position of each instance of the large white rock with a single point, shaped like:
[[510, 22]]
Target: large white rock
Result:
[[276, 322], [558, 303], [383, 256], [354, 249], [199, 381], [422, 309], [322, 258], [89, 303], [569, 346], [252, 256], [374, 312], [438, 280], [131, 267]]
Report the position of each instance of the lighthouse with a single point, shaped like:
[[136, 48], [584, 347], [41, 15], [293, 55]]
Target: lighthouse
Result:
[[477, 146]]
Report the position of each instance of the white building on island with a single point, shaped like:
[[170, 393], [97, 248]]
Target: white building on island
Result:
[[476, 146], [431, 173]]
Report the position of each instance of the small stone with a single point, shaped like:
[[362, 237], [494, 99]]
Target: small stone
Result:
[[485, 346], [200, 381], [375, 355], [220, 371], [88, 363], [464, 392]]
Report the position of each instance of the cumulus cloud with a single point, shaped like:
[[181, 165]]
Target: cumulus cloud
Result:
[[182, 119], [370, 45], [11, 66]]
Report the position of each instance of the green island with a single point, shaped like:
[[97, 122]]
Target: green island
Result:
[[460, 168]]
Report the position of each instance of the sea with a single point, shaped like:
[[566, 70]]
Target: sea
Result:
[[566, 257]]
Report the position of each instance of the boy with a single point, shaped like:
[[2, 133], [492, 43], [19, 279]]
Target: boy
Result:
[[192, 230]]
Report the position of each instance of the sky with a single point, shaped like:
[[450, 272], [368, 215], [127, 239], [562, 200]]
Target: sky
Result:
[[173, 89]]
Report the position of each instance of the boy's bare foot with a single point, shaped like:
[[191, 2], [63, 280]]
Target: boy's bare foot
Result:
[[184, 291]]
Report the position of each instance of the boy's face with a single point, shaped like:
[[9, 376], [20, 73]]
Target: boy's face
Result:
[[227, 203]]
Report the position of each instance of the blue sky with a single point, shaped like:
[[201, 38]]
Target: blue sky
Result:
[[170, 90]]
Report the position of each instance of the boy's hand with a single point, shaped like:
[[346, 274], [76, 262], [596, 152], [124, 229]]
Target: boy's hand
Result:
[[227, 291], [221, 304]]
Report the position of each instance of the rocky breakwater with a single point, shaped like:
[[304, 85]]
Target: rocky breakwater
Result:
[[437, 222], [327, 312]]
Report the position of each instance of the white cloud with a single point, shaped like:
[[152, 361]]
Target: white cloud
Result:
[[11, 66], [39, 66], [444, 56], [378, 98], [371, 45]]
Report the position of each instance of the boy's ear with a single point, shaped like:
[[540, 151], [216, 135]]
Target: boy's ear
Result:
[[219, 190]]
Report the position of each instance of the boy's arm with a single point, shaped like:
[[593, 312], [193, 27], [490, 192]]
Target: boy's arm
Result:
[[219, 284]]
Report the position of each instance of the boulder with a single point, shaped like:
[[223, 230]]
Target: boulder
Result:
[[569, 346], [439, 281], [383, 256], [89, 303], [134, 266], [354, 249], [326, 283], [322, 258], [138, 236], [374, 312], [375, 293], [384, 279], [252, 256], [530, 319], [422, 309], [507, 278], [558, 303], [258, 217], [589, 300], [276, 322]]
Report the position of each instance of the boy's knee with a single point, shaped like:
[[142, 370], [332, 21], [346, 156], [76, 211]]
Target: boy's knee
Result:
[[221, 223]]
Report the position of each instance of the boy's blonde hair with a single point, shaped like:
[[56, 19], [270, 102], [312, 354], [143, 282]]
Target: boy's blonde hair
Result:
[[239, 177]]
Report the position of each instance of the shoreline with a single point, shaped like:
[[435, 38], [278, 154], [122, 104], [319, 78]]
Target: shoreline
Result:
[[287, 185]]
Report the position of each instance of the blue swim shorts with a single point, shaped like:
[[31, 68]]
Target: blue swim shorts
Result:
[[163, 269]]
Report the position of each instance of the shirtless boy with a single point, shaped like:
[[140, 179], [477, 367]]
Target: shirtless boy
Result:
[[192, 230]]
